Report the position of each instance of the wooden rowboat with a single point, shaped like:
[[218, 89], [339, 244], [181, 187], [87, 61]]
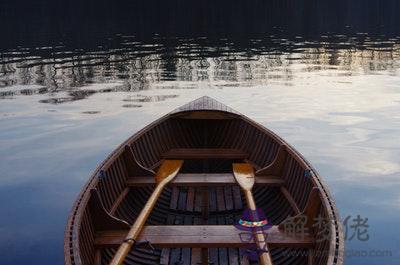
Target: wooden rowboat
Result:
[[192, 220]]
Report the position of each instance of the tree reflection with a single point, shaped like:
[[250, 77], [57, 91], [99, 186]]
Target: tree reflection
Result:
[[65, 45], [140, 65]]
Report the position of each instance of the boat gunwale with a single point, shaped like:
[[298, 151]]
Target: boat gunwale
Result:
[[71, 235]]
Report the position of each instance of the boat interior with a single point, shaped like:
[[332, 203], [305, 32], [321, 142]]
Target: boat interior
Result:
[[192, 222]]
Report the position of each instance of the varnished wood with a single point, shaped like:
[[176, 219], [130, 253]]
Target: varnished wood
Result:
[[133, 166], [196, 256], [201, 124], [204, 153], [290, 199], [205, 115], [310, 211], [312, 207], [276, 167], [168, 170], [244, 175], [97, 257], [310, 257], [201, 179], [164, 257], [202, 236], [120, 198], [204, 256], [102, 220], [205, 207], [190, 199]]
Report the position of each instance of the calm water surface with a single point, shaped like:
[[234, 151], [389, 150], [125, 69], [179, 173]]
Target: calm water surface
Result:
[[329, 85]]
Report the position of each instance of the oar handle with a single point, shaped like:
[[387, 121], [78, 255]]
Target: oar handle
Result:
[[137, 227], [265, 257], [165, 174], [250, 200]]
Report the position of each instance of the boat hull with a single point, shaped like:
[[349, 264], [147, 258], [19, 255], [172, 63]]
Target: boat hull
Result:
[[209, 137]]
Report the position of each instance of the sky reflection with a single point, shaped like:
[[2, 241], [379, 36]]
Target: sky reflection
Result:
[[348, 130]]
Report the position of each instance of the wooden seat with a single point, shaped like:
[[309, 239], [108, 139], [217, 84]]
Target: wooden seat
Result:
[[202, 236], [205, 179], [204, 153], [184, 205]]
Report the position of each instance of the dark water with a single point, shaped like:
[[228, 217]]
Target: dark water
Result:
[[78, 77]]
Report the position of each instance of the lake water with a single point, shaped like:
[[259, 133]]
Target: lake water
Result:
[[78, 78]]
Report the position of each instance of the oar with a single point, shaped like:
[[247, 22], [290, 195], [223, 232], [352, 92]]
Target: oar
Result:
[[244, 175], [165, 174]]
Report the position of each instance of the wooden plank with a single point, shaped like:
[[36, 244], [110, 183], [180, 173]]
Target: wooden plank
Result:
[[199, 255], [173, 252], [205, 206], [174, 198], [237, 198], [204, 153], [223, 256], [233, 256], [310, 257], [178, 220], [102, 220], [244, 260], [228, 197], [220, 199], [222, 252], [182, 199], [190, 199], [97, 257], [277, 166], [170, 219], [212, 194], [175, 255], [132, 165], [164, 257], [311, 209], [118, 201], [233, 253], [229, 220], [202, 236], [290, 199], [204, 114], [205, 258], [201, 179], [185, 256], [188, 220], [198, 199], [213, 255], [196, 256], [186, 252]]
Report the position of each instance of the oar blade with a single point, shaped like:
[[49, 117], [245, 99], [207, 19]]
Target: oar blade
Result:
[[244, 175], [168, 170]]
